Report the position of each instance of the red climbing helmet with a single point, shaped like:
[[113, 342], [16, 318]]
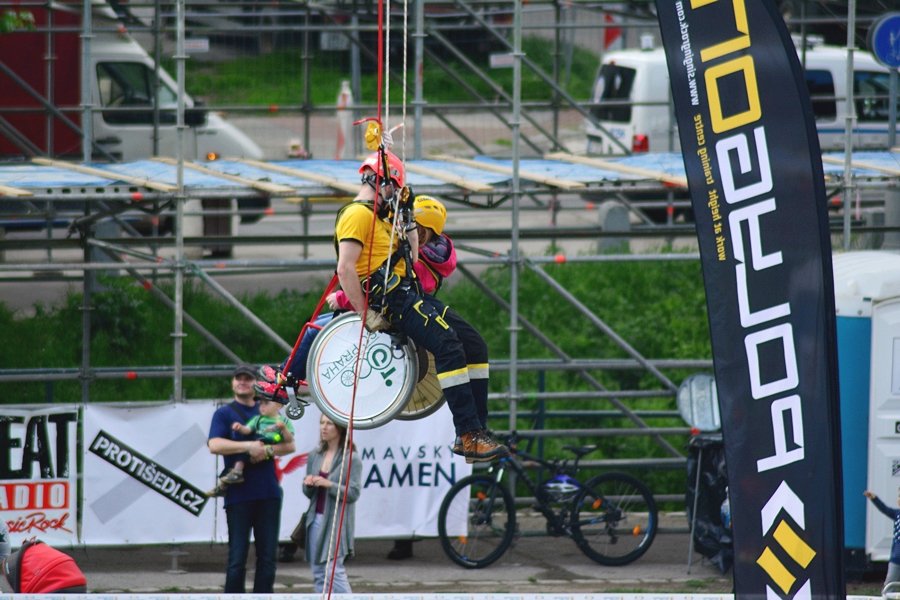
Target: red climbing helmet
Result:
[[395, 167]]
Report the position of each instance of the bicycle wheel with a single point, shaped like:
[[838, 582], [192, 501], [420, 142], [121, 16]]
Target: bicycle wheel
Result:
[[477, 521], [614, 519]]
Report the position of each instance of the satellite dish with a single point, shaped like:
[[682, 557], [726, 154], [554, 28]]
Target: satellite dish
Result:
[[698, 402]]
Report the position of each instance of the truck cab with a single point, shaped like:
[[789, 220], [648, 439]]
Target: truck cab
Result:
[[124, 78], [42, 98], [41, 108], [825, 69]]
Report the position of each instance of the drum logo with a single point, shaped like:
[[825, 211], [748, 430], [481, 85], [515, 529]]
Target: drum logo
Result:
[[379, 360]]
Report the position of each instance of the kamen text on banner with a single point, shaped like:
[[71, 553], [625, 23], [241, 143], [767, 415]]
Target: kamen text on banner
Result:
[[407, 468], [754, 169]]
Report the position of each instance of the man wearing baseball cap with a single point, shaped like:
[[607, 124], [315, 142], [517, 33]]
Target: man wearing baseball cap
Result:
[[254, 506]]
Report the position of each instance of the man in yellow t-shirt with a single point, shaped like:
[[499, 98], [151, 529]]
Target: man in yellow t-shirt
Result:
[[355, 224], [363, 238]]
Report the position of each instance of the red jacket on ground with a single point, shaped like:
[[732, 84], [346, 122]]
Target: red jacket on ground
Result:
[[37, 568]]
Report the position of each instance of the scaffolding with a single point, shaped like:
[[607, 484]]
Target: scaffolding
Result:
[[46, 192]]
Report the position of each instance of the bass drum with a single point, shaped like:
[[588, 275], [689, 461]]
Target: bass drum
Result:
[[427, 396], [387, 373]]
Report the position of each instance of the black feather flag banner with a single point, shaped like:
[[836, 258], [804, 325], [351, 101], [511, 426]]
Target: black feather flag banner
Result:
[[755, 174]]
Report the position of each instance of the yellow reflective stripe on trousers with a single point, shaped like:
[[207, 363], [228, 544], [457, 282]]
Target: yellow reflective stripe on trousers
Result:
[[451, 378], [478, 370]]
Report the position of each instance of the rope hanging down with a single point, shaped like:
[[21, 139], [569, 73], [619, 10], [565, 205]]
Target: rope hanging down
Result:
[[375, 138]]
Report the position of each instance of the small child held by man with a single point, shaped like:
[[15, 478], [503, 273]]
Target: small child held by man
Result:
[[269, 425]]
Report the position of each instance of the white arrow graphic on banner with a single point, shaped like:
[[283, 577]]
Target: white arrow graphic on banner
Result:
[[783, 498]]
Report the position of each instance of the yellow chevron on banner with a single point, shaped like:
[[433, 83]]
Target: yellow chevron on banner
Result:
[[776, 570], [794, 545]]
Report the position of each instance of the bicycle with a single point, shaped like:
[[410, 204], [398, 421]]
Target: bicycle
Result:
[[612, 517]]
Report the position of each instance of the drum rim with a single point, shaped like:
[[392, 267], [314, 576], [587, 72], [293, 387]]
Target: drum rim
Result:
[[428, 410], [339, 417]]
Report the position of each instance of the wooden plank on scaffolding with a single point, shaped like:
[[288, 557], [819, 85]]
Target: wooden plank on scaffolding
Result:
[[619, 168], [6, 190], [457, 180], [139, 181], [331, 182], [566, 184], [861, 164], [263, 186]]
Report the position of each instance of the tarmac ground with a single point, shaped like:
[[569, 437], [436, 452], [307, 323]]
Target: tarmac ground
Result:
[[535, 565]]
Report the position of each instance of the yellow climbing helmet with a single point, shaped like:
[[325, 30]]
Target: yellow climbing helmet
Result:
[[430, 213]]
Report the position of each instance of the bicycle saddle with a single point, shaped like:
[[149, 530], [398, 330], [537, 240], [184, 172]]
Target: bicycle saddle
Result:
[[580, 451]]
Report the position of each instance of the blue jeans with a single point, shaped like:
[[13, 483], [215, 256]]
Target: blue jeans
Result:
[[297, 368], [321, 526], [263, 517]]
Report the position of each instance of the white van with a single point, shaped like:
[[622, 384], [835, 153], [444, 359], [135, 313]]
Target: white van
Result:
[[40, 107], [124, 78], [633, 102], [121, 80]]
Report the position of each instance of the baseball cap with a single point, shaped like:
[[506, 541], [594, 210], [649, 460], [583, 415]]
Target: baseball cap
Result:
[[244, 370], [5, 545]]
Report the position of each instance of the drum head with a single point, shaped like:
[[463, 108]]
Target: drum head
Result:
[[427, 396], [384, 382]]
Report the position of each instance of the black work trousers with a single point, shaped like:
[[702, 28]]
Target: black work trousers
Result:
[[454, 343], [476, 351]]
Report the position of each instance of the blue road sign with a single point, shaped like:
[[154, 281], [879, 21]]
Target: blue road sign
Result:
[[884, 39]]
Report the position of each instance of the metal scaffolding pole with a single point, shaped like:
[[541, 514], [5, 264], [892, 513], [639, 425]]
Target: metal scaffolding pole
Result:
[[87, 137], [514, 232], [87, 129], [86, 299], [307, 91], [178, 334], [850, 123], [418, 100]]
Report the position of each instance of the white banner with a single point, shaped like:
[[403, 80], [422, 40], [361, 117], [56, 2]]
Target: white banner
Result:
[[407, 469], [145, 471], [38, 473]]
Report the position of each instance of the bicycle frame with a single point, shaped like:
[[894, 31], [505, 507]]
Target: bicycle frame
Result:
[[558, 521]]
